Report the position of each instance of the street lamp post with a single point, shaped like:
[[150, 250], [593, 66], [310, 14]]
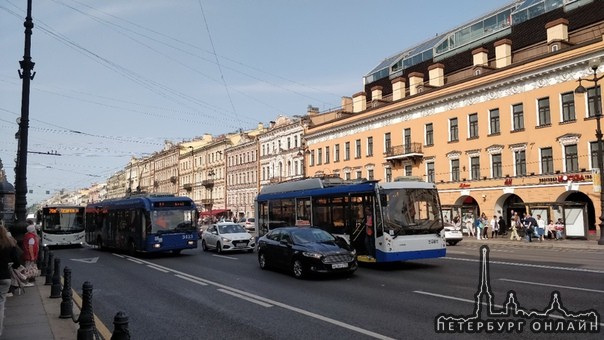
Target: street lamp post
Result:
[[594, 64], [211, 174], [21, 162]]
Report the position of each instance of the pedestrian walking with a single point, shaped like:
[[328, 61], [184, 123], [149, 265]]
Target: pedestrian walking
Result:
[[515, 224], [484, 224], [502, 226], [31, 245], [530, 224], [8, 254], [494, 227], [540, 227], [478, 226]]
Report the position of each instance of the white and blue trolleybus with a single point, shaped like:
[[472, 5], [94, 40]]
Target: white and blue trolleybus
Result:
[[385, 222]]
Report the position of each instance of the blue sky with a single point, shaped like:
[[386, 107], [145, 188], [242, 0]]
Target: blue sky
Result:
[[115, 79]]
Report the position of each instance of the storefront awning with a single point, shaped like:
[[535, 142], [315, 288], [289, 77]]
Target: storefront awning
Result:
[[213, 212]]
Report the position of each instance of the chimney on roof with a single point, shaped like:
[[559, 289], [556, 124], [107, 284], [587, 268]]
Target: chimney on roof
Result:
[[480, 56], [398, 88], [359, 102], [557, 34], [436, 73], [503, 53], [347, 104], [312, 110], [376, 93], [416, 80]]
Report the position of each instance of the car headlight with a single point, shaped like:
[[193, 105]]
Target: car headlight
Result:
[[311, 254], [224, 239], [353, 252]]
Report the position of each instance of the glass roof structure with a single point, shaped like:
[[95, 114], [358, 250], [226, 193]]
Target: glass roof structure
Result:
[[461, 38]]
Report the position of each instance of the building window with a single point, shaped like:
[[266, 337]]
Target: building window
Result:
[[520, 162], [547, 161], [518, 117], [544, 112], [430, 172], [571, 158], [387, 142], [347, 176], [319, 156], [388, 175], [593, 147], [327, 155], [369, 146], [429, 134], [494, 121], [453, 130], [455, 170], [568, 106], [312, 157], [408, 170], [359, 174], [407, 140], [593, 99], [370, 174], [289, 143], [496, 166], [347, 151], [336, 153], [475, 167], [473, 125], [357, 148]]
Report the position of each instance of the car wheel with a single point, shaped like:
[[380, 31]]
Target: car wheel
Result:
[[204, 246], [298, 269], [262, 261], [218, 248]]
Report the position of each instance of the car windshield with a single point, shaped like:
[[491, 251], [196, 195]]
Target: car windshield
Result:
[[309, 235], [231, 229], [411, 211]]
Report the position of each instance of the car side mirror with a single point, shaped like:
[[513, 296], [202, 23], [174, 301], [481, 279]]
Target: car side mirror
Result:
[[285, 242]]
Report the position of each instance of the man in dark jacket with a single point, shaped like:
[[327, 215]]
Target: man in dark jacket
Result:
[[530, 223]]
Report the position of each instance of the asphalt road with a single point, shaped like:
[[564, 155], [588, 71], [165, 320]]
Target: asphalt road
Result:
[[200, 294]]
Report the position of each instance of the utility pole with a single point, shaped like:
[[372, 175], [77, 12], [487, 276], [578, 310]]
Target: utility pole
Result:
[[21, 163]]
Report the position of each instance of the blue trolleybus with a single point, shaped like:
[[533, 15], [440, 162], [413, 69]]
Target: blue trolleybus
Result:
[[143, 223], [405, 217]]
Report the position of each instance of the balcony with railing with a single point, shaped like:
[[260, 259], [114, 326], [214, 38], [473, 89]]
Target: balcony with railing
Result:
[[208, 183], [404, 152]]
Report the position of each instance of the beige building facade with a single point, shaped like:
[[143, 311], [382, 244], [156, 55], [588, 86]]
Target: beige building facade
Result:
[[497, 126]]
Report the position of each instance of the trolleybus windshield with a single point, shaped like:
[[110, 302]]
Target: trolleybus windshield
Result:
[[411, 211], [63, 220]]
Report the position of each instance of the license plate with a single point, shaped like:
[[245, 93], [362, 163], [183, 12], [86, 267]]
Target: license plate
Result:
[[241, 245], [339, 265]]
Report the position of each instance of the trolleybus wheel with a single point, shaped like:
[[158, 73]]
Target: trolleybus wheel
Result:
[[298, 269]]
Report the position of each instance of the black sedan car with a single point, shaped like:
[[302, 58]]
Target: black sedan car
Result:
[[305, 250]]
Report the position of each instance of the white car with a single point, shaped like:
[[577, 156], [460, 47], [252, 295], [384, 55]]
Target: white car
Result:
[[248, 223], [227, 236], [453, 234]]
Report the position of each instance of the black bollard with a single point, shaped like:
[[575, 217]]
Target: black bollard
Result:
[[86, 318], [67, 302], [55, 289], [48, 281], [40, 257], [120, 329], [44, 257]]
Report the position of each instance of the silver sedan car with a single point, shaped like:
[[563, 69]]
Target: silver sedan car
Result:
[[227, 236]]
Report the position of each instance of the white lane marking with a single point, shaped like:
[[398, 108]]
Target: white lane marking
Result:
[[134, 260], [201, 281], [473, 302], [455, 252], [530, 265], [555, 286], [192, 280], [225, 257], [118, 255], [157, 268], [244, 297]]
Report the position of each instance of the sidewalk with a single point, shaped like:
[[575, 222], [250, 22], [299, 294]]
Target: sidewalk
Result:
[[590, 244], [34, 315]]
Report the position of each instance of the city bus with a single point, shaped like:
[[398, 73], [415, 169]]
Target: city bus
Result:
[[143, 223], [61, 225], [404, 215]]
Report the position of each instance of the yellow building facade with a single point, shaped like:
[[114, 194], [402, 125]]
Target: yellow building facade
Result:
[[502, 133]]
